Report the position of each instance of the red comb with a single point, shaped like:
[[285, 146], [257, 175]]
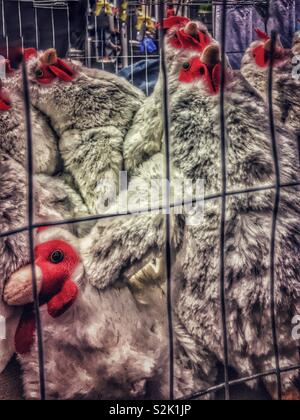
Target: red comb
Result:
[[30, 53], [174, 21], [170, 11], [182, 40], [262, 35], [60, 70]]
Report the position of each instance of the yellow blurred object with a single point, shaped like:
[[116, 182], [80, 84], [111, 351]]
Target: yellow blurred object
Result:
[[104, 5], [142, 19], [124, 14]]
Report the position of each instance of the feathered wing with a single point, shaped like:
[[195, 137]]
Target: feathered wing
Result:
[[145, 136], [91, 115], [112, 248], [13, 249]]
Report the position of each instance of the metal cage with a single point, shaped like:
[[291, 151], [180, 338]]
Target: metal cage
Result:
[[156, 9]]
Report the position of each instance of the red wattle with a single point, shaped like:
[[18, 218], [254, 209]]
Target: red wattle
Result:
[[63, 300], [24, 337], [5, 102], [200, 71], [259, 54], [60, 70], [262, 35], [58, 290]]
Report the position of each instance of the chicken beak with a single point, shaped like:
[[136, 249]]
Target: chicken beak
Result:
[[18, 290], [191, 29], [49, 57], [211, 55]]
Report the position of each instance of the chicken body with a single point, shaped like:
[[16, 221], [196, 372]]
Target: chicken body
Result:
[[13, 132], [129, 243], [145, 137], [54, 199], [101, 346], [91, 115], [286, 82]]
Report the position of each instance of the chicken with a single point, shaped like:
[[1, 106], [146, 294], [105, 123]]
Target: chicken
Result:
[[185, 35], [13, 129], [54, 198], [91, 116], [255, 68], [145, 136], [57, 194], [121, 247], [98, 345]]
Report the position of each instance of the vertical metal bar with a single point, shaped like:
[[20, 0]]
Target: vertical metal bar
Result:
[[214, 19], [131, 46], [69, 26], [3, 20], [7, 46], [147, 14], [36, 27], [124, 34], [53, 27], [20, 24], [20, 19], [97, 39], [168, 248], [224, 203], [116, 22], [88, 61], [275, 216], [31, 231]]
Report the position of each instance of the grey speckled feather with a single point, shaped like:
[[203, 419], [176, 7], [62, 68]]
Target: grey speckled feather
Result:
[[286, 86], [13, 133], [91, 117], [116, 247]]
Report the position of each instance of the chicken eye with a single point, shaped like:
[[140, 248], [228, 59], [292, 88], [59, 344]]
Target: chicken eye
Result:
[[39, 73], [57, 257], [186, 66]]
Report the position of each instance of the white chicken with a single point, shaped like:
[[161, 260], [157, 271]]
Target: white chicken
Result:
[[286, 84], [144, 139], [97, 344], [91, 116], [119, 248]]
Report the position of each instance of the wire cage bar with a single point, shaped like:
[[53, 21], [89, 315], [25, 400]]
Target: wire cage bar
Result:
[[157, 10]]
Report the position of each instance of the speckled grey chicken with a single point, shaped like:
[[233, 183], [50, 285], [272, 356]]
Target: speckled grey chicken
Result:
[[286, 86], [54, 198], [12, 124], [91, 112], [98, 344], [122, 247], [59, 196], [145, 136]]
